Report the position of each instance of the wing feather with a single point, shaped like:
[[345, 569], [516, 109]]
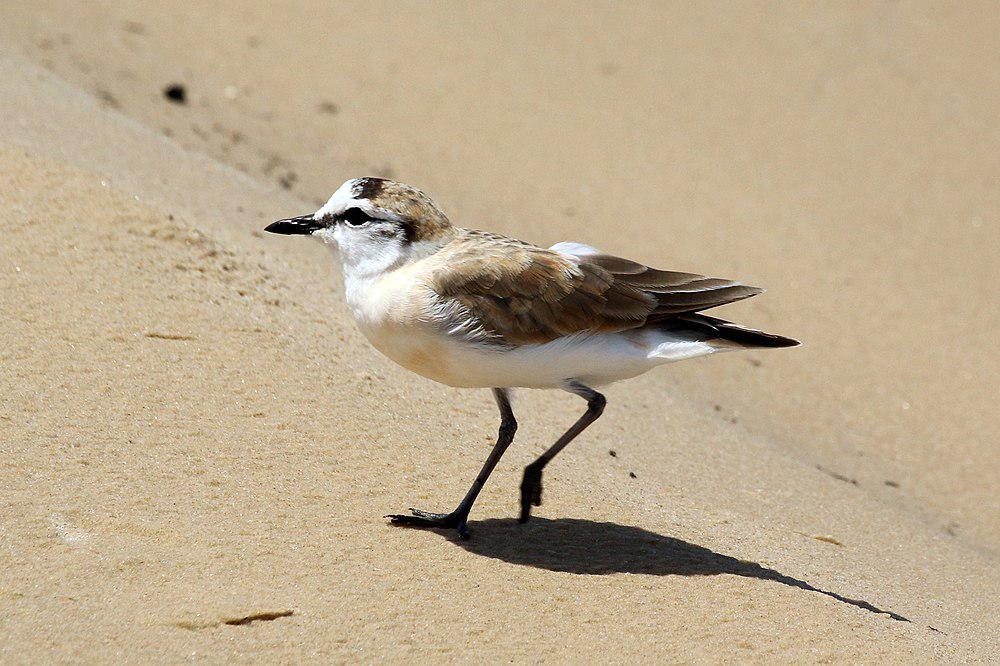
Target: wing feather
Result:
[[518, 293]]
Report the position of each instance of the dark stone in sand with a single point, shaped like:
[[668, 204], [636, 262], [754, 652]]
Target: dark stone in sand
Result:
[[176, 93]]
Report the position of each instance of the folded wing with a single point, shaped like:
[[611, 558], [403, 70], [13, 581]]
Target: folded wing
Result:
[[676, 293], [516, 293]]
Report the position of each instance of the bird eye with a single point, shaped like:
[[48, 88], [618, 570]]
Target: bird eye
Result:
[[356, 217]]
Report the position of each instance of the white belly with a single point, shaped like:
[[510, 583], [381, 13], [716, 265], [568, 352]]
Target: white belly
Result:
[[594, 360]]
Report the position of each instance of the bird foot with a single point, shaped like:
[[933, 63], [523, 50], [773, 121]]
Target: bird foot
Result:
[[531, 491], [425, 519]]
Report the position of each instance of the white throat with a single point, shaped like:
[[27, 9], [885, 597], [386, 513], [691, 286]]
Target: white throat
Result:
[[364, 264]]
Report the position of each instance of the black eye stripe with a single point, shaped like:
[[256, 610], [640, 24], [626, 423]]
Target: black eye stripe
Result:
[[355, 216]]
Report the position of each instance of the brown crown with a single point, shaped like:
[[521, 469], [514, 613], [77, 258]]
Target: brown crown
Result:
[[422, 220]]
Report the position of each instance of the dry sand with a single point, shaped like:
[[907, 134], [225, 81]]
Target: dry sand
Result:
[[197, 446]]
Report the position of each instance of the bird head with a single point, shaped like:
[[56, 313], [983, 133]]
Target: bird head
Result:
[[370, 219]]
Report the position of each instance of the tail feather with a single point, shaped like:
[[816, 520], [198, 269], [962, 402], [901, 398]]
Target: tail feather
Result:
[[712, 328], [749, 337]]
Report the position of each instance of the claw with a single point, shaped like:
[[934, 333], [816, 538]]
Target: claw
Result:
[[428, 515], [419, 518]]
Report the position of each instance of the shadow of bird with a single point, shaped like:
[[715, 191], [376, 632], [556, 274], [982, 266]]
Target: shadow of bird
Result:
[[597, 548]]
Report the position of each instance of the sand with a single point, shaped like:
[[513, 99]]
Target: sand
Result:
[[198, 446]]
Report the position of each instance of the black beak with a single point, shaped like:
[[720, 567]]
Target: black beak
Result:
[[303, 225]]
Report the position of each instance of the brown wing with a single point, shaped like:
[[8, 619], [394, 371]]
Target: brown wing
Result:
[[676, 293], [520, 293]]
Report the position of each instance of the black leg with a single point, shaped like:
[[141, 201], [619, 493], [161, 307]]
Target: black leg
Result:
[[531, 483], [457, 518]]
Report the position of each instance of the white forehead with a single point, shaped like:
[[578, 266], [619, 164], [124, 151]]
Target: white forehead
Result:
[[343, 199]]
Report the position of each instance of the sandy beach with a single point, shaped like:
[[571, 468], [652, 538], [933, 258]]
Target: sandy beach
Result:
[[198, 446]]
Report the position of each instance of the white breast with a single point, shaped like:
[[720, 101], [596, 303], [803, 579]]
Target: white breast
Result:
[[392, 311]]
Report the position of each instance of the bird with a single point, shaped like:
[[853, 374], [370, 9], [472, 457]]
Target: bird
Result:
[[476, 309]]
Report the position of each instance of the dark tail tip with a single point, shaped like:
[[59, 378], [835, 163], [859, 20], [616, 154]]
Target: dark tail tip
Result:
[[751, 338], [781, 341], [703, 327]]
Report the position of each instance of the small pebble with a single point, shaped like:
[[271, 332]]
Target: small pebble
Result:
[[176, 93]]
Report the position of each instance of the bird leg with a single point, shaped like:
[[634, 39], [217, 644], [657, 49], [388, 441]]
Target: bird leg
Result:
[[457, 519], [531, 483]]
